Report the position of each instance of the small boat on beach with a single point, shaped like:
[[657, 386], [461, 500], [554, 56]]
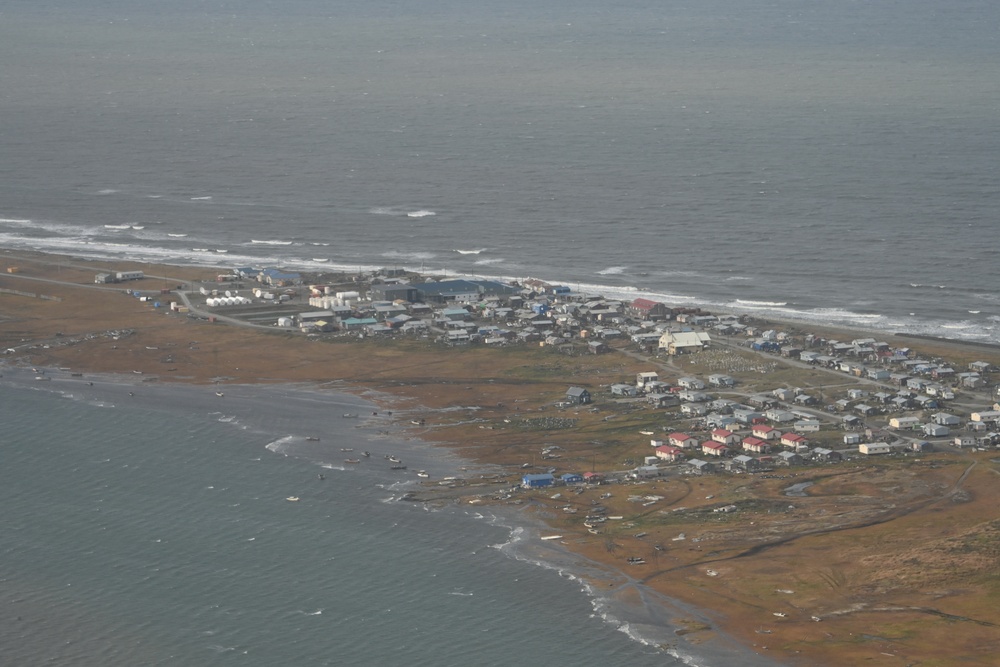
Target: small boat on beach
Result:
[[551, 537], [366, 454], [393, 459], [422, 473], [352, 460]]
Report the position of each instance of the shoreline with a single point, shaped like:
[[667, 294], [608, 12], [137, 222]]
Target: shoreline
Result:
[[373, 370], [643, 614]]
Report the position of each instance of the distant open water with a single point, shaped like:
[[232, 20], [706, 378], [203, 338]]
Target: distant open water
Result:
[[815, 161]]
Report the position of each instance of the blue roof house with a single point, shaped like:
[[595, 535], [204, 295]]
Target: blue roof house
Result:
[[538, 481]]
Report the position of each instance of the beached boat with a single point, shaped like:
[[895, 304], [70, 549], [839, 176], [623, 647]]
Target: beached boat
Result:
[[393, 459], [366, 454], [422, 473], [352, 460], [551, 537]]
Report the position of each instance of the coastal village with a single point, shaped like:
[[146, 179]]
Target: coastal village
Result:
[[808, 481], [890, 399]]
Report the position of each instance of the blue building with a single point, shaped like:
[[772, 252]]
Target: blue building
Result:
[[537, 481]]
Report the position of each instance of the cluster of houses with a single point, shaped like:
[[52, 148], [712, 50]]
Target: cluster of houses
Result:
[[492, 312], [484, 311], [770, 428]]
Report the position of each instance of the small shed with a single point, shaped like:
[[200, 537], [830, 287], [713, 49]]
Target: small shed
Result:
[[578, 395]]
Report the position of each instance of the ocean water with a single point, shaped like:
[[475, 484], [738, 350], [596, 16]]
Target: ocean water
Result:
[[149, 526], [829, 162]]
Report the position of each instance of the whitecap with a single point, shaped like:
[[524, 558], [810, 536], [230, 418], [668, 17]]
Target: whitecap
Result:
[[178, 236], [748, 302], [200, 198], [281, 445], [470, 252], [422, 213], [611, 271], [270, 242], [107, 191]]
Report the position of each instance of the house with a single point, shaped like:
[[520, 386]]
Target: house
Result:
[[668, 453], [945, 419], [823, 454], [755, 445], [692, 396], [645, 378], [965, 441], [779, 416], [904, 422], [746, 415], [647, 309], [852, 438], [784, 394], [537, 481], [720, 380], [682, 440], [761, 400], [572, 478], [765, 432], [626, 390], [985, 416], [793, 440], [712, 448], [693, 410], [659, 400], [578, 395], [873, 448], [646, 472], [808, 425], [725, 437], [744, 462], [805, 399], [715, 420], [684, 342], [697, 465], [690, 383], [936, 430], [789, 458]]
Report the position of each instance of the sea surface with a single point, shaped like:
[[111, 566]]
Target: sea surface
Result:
[[830, 162], [150, 525]]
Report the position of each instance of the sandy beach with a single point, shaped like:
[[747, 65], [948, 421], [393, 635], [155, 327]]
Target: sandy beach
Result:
[[920, 570]]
